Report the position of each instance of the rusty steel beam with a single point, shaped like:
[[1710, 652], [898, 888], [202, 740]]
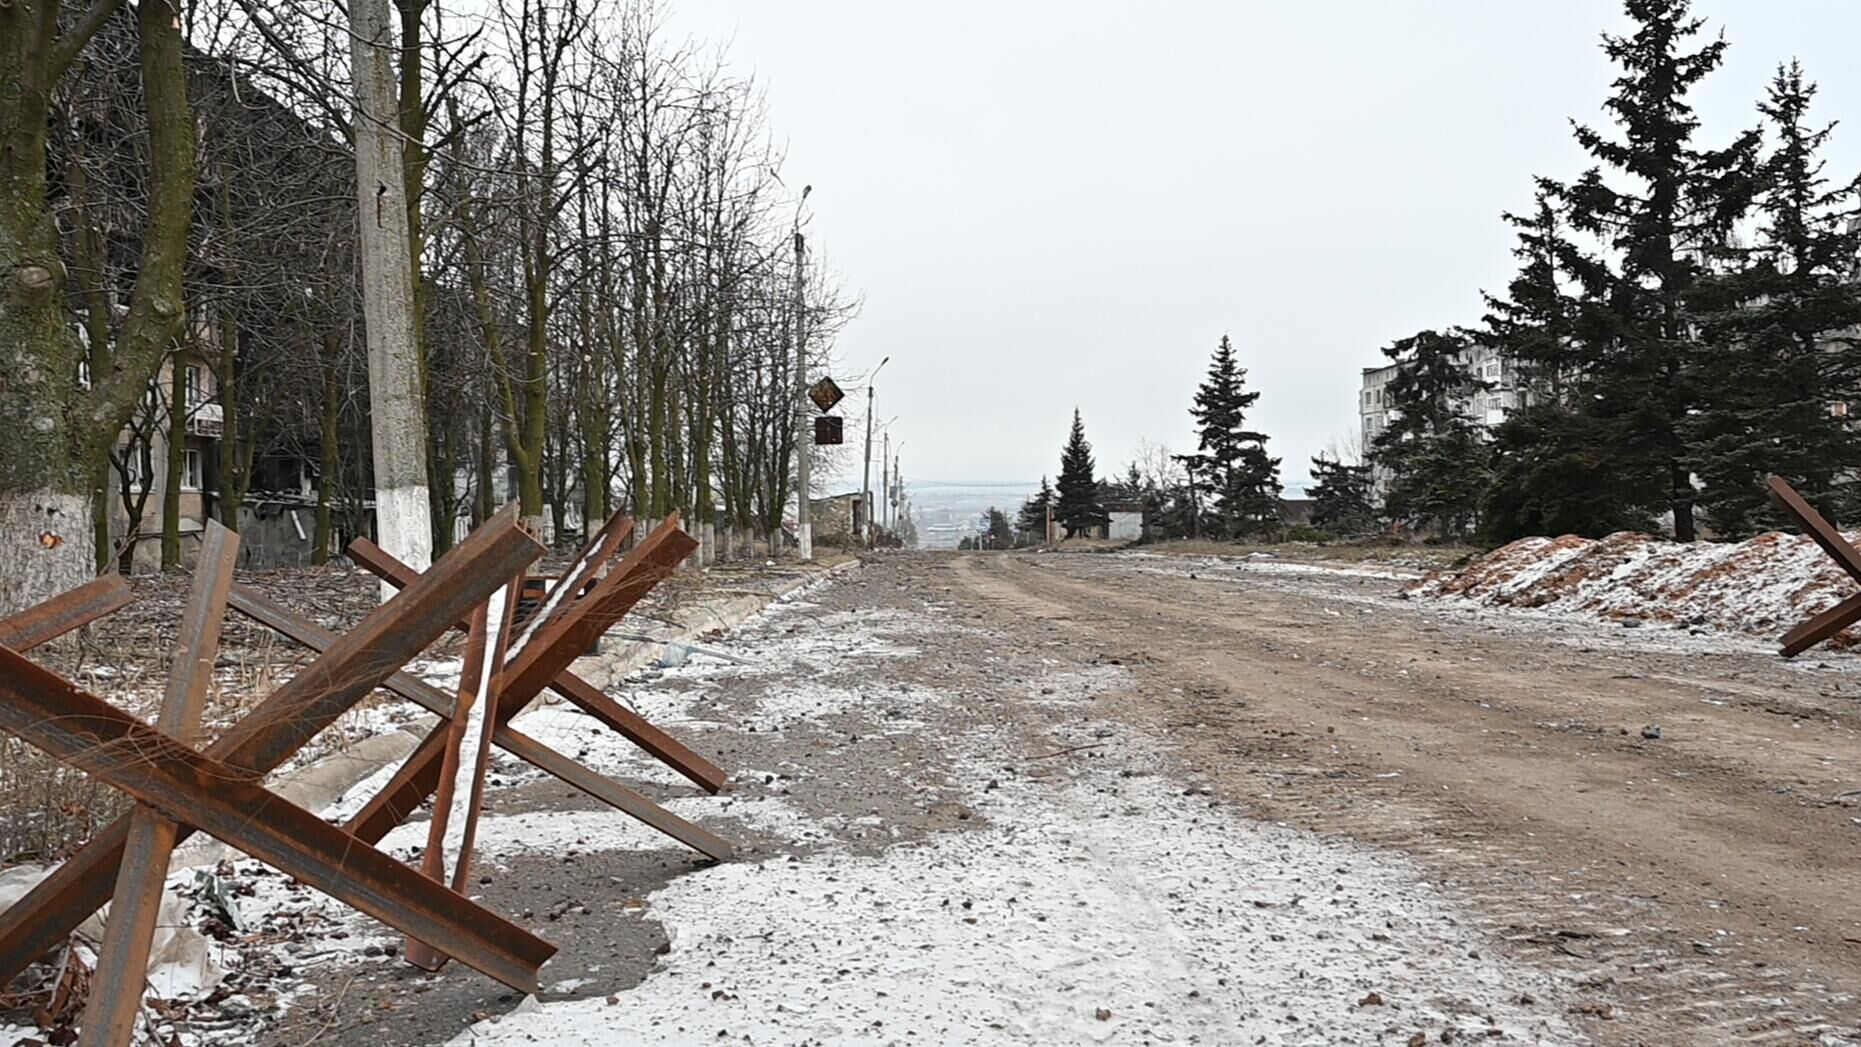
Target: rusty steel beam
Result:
[[297, 711], [1832, 621], [640, 731], [1818, 528], [373, 825], [1823, 626], [65, 612], [586, 570], [613, 794], [222, 800], [123, 958], [589, 698], [530, 671], [485, 647], [564, 637]]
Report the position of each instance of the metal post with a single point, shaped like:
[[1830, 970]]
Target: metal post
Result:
[[804, 432], [885, 482], [865, 481]]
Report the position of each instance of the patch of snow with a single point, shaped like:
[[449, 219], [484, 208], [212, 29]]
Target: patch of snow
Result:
[[1762, 587]]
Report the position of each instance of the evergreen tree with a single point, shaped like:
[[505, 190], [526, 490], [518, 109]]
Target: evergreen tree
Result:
[[1432, 457], [1552, 461], [1231, 465], [1784, 364], [1032, 519], [996, 532], [1342, 496], [1629, 366], [1077, 505]]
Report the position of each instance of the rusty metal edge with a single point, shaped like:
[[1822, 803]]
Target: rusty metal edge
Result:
[[123, 957], [289, 717], [69, 610], [222, 800]]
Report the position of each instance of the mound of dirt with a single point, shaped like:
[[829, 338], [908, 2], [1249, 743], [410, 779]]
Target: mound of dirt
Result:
[[1763, 586]]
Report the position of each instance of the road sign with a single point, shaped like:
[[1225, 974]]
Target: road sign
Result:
[[825, 395]]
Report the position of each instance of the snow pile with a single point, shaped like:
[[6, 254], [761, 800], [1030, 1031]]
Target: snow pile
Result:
[[1763, 586]]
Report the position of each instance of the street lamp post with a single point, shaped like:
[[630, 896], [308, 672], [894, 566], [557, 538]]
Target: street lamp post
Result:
[[804, 420], [865, 482]]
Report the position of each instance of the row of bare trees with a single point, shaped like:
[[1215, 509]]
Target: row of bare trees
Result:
[[602, 244]]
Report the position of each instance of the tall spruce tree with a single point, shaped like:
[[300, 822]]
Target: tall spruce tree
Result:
[[1552, 460], [1231, 466], [1032, 519], [1077, 506], [1432, 457], [1669, 207], [1342, 497], [1783, 364]]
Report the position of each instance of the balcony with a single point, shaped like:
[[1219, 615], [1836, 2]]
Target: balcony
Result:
[[205, 420]]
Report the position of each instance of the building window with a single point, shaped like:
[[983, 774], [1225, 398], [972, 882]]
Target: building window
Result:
[[1492, 370], [132, 465], [1838, 409], [194, 397], [190, 469]]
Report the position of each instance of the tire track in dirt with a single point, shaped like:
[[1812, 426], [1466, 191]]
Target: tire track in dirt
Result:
[[1686, 882]]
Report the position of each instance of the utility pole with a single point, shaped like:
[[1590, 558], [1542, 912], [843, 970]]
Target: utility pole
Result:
[[804, 418], [396, 411], [865, 479], [885, 482]]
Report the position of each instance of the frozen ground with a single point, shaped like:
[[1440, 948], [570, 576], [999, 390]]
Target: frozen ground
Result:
[[1092, 895]]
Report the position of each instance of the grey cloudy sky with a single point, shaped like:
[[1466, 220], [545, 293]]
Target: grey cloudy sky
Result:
[[1056, 204]]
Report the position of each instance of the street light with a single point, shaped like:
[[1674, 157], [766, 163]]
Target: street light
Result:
[[865, 482]]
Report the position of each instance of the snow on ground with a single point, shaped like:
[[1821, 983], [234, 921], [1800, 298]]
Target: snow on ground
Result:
[[1088, 907], [1762, 587]]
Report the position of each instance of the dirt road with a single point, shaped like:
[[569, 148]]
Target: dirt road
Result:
[[1704, 883], [1008, 799]]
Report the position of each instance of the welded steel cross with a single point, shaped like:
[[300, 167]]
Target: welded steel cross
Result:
[[1822, 626], [216, 789]]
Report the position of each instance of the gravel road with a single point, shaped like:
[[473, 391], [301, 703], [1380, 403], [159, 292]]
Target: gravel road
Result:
[[1072, 798]]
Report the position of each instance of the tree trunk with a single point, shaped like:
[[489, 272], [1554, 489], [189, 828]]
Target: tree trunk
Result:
[[328, 462], [177, 462], [403, 518]]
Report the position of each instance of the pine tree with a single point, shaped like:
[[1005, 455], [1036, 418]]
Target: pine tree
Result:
[[1784, 364], [1432, 457], [1551, 460], [1032, 519], [1077, 506], [1342, 496], [1630, 365], [1231, 465], [996, 532]]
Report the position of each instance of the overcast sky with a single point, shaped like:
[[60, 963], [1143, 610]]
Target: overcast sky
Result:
[[1067, 203]]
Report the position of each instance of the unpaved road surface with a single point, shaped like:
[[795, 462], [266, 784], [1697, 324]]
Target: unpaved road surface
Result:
[[1070, 798], [1701, 887]]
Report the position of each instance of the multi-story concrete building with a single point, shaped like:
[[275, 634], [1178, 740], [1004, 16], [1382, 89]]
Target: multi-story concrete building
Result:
[[1486, 409]]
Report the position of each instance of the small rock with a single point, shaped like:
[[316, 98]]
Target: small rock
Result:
[[1652, 732], [1375, 999], [1103, 1014]]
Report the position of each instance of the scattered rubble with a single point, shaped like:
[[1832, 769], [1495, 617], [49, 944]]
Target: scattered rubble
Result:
[[1761, 586]]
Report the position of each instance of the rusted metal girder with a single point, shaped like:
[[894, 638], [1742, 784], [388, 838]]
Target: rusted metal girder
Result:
[[123, 959], [65, 612], [376, 821], [631, 725], [1832, 621], [545, 655], [224, 801], [297, 711], [485, 647]]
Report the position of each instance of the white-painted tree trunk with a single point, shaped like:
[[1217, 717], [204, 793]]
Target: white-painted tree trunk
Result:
[[44, 547], [707, 544], [396, 413]]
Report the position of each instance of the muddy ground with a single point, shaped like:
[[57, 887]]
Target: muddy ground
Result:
[[1059, 798]]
